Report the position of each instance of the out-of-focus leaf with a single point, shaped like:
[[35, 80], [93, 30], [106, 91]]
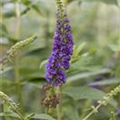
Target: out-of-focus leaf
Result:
[[26, 2], [75, 114], [84, 63], [43, 117], [5, 70], [25, 11], [29, 74], [43, 63], [9, 14], [69, 1], [9, 114], [105, 1], [78, 49], [88, 74], [115, 48], [37, 9], [35, 84], [38, 45], [83, 93], [13, 14], [3, 28], [6, 82], [106, 82], [42, 51]]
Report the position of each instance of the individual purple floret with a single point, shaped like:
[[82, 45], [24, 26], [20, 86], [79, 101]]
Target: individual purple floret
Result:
[[61, 52], [2, 59], [119, 113]]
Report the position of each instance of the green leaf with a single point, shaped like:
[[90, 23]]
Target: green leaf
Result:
[[78, 49], [86, 64], [74, 114], [9, 14], [69, 1], [115, 48], [25, 11], [87, 74], [12, 13], [9, 114], [31, 74], [37, 9], [43, 63], [107, 82], [26, 2], [3, 28], [78, 93], [105, 1], [30, 115], [43, 116]]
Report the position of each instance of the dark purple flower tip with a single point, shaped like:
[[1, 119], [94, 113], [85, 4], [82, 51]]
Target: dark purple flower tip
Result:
[[119, 113]]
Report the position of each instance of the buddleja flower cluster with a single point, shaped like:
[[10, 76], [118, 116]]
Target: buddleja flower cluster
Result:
[[61, 52]]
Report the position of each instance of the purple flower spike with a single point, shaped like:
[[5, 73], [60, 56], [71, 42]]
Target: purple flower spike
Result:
[[119, 113], [61, 52]]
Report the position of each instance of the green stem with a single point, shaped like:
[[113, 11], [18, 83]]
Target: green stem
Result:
[[21, 116], [87, 103], [4, 110], [119, 22], [17, 75], [17, 36], [59, 105], [93, 111], [119, 43], [46, 110]]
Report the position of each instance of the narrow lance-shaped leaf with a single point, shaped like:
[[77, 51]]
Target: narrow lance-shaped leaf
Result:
[[43, 117], [105, 1], [83, 93]]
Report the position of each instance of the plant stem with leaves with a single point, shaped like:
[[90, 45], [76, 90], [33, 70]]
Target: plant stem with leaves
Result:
[[105, 101], [13, 106]]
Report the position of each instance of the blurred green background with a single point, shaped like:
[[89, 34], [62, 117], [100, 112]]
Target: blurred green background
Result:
[[95, 28]]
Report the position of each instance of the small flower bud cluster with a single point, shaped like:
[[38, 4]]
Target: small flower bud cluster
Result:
[[112, 93], [19, 45], [50, 100], [15, 49], [7, 99]]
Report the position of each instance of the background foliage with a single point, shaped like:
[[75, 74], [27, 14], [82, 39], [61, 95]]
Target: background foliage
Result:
[[96, 61]]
